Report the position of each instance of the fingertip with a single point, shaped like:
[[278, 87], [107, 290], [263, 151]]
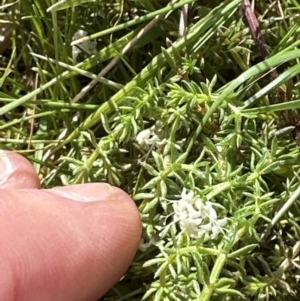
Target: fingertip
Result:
[[96, 192], [119, 231], [114, 220], [17, 172], [124, 208], [92, 242], [130, 210]]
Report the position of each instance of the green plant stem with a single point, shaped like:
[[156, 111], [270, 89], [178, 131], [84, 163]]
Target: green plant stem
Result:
[[214, 277]]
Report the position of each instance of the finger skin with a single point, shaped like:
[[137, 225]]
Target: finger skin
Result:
[[56, 249], [17, 172]]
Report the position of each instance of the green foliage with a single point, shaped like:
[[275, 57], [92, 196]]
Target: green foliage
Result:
[[165, 113]]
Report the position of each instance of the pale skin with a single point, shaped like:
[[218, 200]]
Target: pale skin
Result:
[[64, 244]]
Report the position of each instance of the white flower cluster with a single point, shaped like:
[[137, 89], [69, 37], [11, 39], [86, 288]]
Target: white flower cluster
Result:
[[197, 218], [88, 46], [149, 137]]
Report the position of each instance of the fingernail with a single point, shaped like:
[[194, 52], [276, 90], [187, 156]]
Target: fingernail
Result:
[[17, 172], [90, 192], [6, 167]]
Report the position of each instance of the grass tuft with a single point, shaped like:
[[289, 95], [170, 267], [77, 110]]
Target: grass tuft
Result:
[[177, 95]]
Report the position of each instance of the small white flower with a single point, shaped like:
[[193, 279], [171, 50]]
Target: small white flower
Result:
[[144, 136], [190, 227], [88, 46], [196, 217], [187, 197], [209, 211], [214, 226], [148, 137]]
